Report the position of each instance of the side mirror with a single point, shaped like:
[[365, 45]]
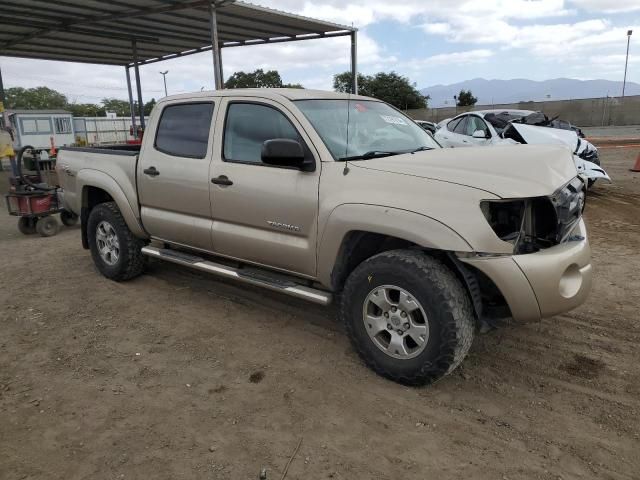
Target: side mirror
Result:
[[479, 134], [283, 152]]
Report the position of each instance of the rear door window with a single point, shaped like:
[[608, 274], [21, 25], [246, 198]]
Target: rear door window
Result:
[[183, 130], [454, 123], [461, 126]]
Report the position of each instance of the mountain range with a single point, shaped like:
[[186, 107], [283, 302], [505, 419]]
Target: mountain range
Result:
[[517, 90]]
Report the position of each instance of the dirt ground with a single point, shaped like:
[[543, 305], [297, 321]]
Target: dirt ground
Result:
[[180, 375]]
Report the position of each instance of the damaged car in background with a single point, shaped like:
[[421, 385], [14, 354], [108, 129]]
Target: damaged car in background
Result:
[[505, 127]]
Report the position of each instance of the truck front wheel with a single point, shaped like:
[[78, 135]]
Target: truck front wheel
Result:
[[408, 316], [114, 249]]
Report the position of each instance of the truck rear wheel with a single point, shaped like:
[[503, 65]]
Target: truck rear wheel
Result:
[[408, 316], [114, 249]]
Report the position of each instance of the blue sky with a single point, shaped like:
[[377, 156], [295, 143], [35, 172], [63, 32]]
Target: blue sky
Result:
[[429, 41]]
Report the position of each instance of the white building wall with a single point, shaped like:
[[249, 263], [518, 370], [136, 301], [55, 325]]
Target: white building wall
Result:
[[104, 130]]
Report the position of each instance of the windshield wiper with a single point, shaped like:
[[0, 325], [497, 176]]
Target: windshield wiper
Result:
[[370, 154], [421, 149]]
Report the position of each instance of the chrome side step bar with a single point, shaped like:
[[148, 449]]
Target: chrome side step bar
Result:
[[252, 277]]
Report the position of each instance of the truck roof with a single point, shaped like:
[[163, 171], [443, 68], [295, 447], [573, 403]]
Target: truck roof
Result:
[[273, 93]]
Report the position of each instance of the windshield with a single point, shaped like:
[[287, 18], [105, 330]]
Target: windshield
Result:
[[374, 128]]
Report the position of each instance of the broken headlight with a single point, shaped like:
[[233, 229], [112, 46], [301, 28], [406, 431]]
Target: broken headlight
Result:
[[532, 224]]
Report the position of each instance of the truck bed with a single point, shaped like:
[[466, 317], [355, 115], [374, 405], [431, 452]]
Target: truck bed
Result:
[[110, 166]]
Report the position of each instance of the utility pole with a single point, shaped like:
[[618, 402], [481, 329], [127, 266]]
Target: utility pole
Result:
[[626, 61], [164, 78]]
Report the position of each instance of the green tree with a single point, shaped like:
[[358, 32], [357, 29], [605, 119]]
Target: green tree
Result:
[[38, 98], [466, 99], [342, 82], [258, 79], [120, 107], [149, 106], [388, 87], [86, 110]]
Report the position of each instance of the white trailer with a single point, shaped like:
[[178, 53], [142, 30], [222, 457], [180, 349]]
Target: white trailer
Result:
[[37, 127]]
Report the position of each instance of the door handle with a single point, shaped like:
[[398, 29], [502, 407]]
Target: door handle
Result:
[[222, 180], [151, 171]]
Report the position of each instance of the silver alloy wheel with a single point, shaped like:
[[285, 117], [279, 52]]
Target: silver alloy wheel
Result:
[[396, 322], [107, 242]]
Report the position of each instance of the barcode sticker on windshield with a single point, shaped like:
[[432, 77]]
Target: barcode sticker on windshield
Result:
[[393, 120]]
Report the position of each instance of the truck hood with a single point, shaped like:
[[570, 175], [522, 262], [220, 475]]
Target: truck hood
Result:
[[505, 171]]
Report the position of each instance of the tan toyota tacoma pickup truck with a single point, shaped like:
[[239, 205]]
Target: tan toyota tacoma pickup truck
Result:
[[328, 196]]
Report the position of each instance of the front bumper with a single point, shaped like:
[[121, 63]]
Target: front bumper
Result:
[[541, 284]]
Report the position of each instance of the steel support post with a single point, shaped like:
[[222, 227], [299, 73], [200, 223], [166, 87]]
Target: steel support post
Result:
[[131, 105], [215, 48], [354, 62], [138, 86]]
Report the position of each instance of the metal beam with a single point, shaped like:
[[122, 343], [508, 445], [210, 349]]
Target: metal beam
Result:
[[138, 85], [299, 38], [84, 31], [215, 48], [342, 33], [354, 62], [39, 54], [62, 58], [131, 107], [72, 43], [3, 106]]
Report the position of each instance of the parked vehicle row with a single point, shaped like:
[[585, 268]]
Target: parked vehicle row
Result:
[[324, 196], [500, 127]]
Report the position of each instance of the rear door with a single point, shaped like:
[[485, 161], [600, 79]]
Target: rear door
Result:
[[173, 174], [451, 134], [263, 214]]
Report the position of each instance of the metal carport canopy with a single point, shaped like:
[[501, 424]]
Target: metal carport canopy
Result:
[[119, 32]]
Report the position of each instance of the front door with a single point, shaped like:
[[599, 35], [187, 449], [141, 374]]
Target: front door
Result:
[[263, 214], [173, 175]]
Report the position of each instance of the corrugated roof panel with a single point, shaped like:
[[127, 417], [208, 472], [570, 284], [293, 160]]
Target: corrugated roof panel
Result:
[[97, 31]]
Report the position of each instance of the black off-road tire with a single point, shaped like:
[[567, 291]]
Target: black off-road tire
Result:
[[27, 225], [444, 299], [47, 226], [130, 262], [68, 218]]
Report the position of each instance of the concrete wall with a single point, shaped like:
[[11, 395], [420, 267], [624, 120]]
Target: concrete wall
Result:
[[588, 112]]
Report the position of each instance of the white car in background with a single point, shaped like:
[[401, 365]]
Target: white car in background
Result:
[[504, 127]]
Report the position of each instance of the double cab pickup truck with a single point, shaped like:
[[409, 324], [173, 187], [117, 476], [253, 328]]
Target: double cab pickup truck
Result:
[[329, 196]]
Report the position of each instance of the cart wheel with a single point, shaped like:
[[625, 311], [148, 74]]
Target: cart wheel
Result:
[[27, 225], [47, 226], [68, 218]]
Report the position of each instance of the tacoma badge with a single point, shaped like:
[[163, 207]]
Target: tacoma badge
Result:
[[286, 226]]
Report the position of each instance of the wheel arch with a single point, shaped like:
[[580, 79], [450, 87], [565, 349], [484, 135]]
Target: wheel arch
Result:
[[98, 188], [355, 232]]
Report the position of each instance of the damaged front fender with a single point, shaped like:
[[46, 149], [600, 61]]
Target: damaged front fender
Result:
[[590, 170]]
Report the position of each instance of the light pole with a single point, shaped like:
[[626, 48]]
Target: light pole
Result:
[[164, 78], [626, 62]]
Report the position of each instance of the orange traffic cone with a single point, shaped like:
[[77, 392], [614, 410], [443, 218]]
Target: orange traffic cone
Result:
[[636, 167]]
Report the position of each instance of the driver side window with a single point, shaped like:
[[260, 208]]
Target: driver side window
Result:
[[248, 125]]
